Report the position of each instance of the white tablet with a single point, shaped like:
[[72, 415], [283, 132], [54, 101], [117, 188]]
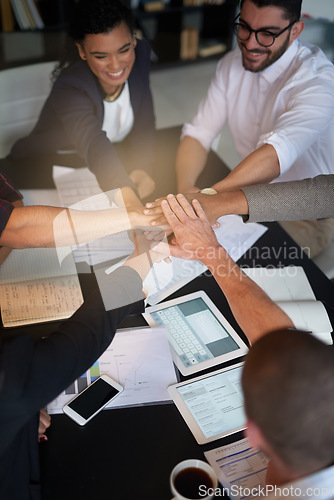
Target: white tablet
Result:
[[212, 404], [199, 335]]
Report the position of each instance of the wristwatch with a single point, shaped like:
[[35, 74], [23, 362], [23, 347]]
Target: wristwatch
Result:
[[208, 191]]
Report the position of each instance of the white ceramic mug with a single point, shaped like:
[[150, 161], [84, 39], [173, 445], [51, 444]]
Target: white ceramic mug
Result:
[[204, 480]]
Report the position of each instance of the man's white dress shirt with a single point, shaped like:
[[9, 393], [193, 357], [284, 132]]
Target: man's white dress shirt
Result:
[[289, 105], [317, 486]]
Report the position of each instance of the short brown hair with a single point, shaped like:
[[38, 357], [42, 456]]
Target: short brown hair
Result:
[[288, 383]]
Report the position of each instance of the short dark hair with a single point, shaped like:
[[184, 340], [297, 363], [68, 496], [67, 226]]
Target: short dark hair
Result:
[[98, 16], [89, 17], [291, 8], [288, 384]]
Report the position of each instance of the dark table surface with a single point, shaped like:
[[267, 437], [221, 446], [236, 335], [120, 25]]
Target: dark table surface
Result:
[[129, 453]]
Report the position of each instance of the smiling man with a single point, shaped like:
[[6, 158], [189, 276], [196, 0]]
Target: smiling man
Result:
[[277, 96]]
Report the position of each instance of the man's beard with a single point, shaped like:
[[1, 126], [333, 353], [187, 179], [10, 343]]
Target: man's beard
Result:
[[272, 56]]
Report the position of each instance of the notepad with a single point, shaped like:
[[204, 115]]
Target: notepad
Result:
[[290, 289], [36, 287]]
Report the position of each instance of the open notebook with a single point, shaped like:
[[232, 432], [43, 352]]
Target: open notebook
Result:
[[291, 290], [37, 287]]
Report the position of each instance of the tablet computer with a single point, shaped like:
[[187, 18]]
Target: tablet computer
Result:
[[212, 405], [199, 335]]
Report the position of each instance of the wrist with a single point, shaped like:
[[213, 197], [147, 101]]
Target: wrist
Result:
[[210, 255], [218, 261], [228, 202], [135, 216]]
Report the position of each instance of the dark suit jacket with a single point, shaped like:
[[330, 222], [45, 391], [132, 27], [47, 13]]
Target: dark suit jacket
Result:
[[33, 373], [72, 118]]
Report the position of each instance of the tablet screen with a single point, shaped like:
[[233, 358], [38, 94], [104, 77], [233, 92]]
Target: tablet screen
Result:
[[198, 333], [212, 405]]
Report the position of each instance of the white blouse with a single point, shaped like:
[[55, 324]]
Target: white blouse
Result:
[[118, 116]]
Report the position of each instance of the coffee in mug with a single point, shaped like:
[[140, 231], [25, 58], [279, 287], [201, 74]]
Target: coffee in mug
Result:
[[192, 480]]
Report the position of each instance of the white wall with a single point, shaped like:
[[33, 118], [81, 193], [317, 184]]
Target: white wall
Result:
[[319, 8]]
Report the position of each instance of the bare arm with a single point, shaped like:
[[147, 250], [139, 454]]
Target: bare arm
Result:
[[224, 203], [143, 257], [260, 167], [43, 226], [214, 206], [5, 251], [143, 181], [190, 161], [254, 311], [126, 197]]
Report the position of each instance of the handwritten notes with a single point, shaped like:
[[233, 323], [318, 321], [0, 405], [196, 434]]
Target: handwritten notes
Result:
[[36, 287]]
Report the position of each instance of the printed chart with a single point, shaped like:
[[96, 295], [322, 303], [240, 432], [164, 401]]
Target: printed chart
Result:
[[140, 360]]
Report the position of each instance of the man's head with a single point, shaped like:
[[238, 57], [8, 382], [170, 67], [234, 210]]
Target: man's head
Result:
[[271, 17], [288, 384]]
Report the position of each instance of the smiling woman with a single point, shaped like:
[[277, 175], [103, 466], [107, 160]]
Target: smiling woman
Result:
[[100, 110], [110, 56]]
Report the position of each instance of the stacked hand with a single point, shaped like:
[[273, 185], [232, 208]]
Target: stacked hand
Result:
[[143, 181], [157, 216], [194, 236]]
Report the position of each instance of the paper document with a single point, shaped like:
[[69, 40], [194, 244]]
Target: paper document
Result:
[[165, 278], [140, 360], [78, 189], [236, 236], [41, 197], [36, 287], [239, 468], [291, 290]]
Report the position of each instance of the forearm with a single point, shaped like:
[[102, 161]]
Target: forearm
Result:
[[143, 257], [42, 226], [140, 263], [190, 161], [253, 310], [126, 197], [224, 203], [4, 252], [260, 167]]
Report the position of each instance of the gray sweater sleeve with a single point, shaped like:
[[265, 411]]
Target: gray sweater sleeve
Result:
[[295, 200]]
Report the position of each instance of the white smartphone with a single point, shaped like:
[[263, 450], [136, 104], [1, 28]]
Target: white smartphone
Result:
[[84, 406]]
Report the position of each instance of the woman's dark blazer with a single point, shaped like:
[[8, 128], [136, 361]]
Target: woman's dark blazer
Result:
[[72, 118]]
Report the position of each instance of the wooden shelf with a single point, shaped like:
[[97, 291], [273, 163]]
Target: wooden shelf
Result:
[[162, 28]]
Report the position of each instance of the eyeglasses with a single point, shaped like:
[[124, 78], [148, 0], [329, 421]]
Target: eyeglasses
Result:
[[263, 37]]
